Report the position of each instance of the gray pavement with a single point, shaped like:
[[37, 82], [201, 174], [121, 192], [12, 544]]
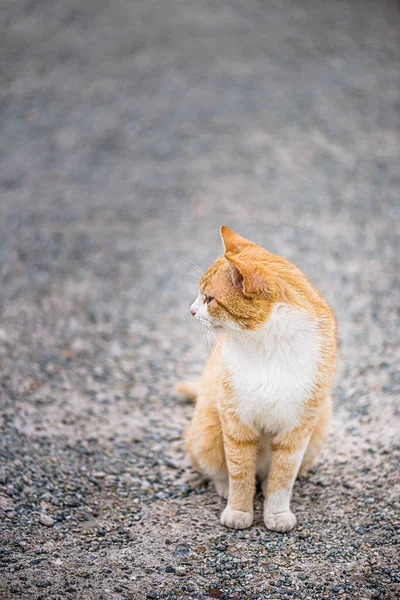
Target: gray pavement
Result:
[[129, 132]]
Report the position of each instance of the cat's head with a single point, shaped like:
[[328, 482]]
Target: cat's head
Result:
[[237, 292]]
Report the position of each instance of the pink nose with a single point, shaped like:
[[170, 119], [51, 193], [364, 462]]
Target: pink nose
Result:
[[192, 311]]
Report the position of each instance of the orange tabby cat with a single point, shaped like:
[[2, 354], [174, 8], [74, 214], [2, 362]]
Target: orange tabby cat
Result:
[[263, 401]]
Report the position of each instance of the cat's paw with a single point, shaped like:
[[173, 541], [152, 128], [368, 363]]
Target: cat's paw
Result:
[[279, 521], [222, 487], [236, 519]]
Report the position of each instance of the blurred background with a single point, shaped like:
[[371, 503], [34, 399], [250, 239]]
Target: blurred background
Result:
[[129, 132]]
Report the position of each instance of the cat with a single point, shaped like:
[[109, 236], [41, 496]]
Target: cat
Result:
[[263, 402]]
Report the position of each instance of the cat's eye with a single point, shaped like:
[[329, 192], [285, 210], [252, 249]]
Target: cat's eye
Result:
[[208, 299]]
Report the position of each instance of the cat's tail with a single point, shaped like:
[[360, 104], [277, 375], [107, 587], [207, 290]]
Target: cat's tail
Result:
[[189, 389]]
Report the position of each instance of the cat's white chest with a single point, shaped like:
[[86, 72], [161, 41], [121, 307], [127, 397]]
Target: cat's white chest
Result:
[[273, 370]]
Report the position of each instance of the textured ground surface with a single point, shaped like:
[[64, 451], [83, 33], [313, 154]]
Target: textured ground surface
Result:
[[130, 130]]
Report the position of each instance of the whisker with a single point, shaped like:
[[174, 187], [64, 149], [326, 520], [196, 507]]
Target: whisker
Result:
[[208, 341], [209, 338], [213, 341], [193, 264], [206, 333], [195, 275], [217, 341]]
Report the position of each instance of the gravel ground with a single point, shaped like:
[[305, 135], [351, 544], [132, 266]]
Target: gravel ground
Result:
[[129, 132]]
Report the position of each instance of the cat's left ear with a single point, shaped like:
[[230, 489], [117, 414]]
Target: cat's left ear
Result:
[[233, 242], [255, 279]]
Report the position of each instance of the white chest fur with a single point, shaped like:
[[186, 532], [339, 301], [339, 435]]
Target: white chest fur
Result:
[[273, 369]]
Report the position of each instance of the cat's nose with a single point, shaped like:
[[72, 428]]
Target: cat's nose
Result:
[[192, 311]]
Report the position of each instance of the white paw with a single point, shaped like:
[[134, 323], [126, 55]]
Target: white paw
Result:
[[236, 519], [222, 487], [279, 521]]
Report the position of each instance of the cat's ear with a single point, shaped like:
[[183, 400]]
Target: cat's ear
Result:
[[233, 242], [255, 280]]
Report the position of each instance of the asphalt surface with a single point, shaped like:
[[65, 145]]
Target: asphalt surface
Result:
[[129, 132]]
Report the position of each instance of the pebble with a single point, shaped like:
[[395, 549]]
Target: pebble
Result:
[[5, 504], [46, 520], [48, 546], [99, 474], [43, 583], [72, 501], [94, 546]]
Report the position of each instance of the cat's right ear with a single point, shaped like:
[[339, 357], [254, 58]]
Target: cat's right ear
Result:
[[233, 242]]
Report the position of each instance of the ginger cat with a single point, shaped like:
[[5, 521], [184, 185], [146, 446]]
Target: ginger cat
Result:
[[263, 401]]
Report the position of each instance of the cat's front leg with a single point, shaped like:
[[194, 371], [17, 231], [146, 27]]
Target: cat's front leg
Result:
[[240, 444], [286, 456]]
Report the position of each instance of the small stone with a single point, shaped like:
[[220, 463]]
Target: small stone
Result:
[[215, 593], [169, 569], [5, 504], [72, 501], [94, 546], [46, 520], [110, 481], [181, 551], [43, 583], [180, 571], [48, 546]]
